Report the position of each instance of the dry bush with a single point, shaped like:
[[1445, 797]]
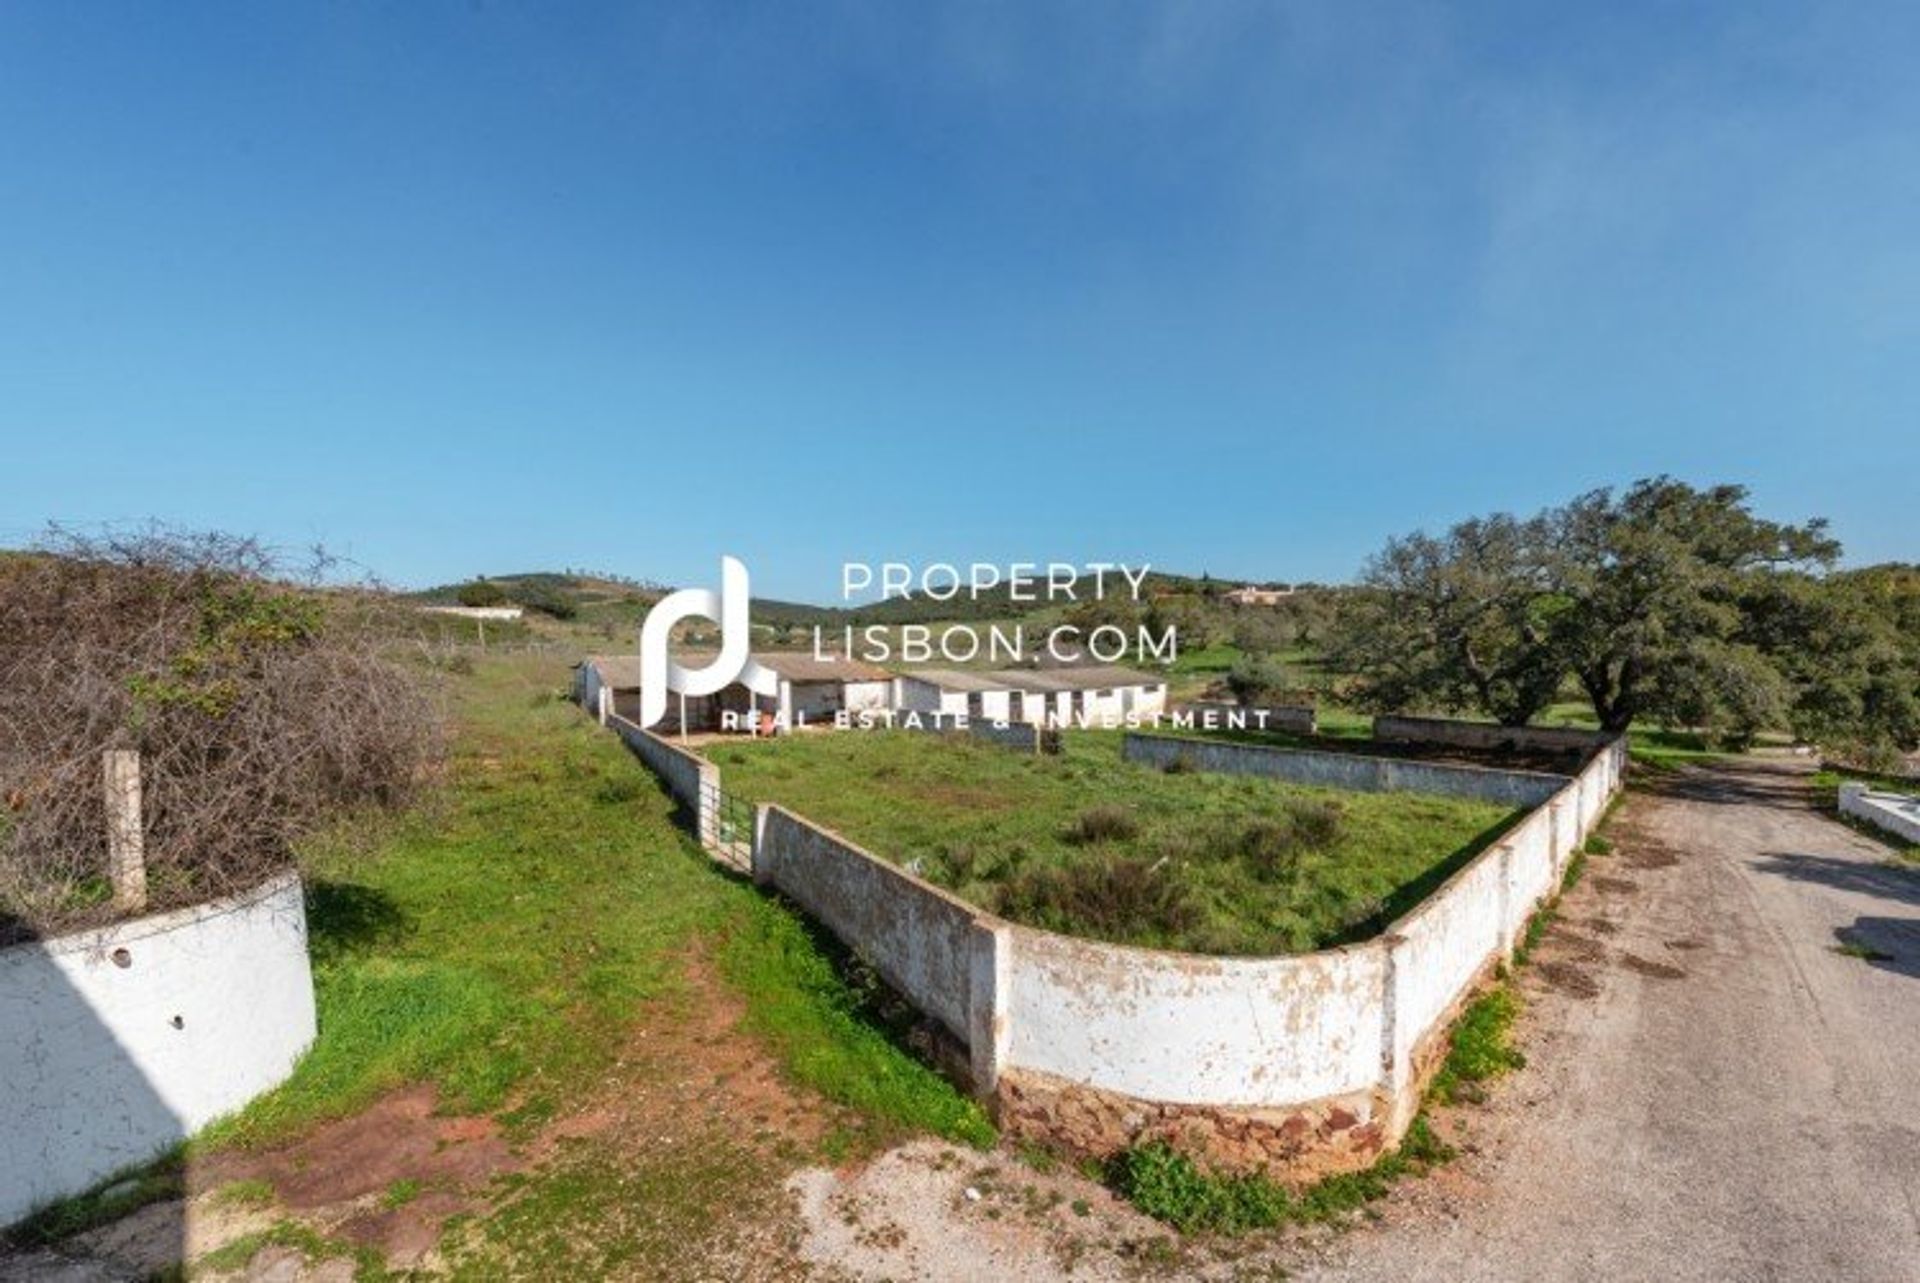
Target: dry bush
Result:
[[1105, 823], [1115, 897], [261, 704]]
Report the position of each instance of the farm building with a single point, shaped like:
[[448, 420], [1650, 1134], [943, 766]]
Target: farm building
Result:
[[614, 677], [792, 689], [1095, 691], [951, 692]]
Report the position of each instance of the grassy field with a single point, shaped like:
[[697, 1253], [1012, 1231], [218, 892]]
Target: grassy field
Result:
[[499, 944], [503, 944], [1094, 846]]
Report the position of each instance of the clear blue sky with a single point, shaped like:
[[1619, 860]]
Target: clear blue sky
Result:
[[1237, 288]]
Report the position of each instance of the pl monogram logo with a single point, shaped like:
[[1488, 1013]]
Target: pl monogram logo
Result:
[[728, 608]]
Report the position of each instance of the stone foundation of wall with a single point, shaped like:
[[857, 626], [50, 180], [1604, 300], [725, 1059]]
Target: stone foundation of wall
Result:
[[1296, 1143]]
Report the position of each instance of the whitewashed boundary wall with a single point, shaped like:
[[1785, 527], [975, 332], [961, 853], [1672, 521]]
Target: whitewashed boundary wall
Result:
[[1486, 736], [119, 1043], [693, 781], [1896, 813], [1357, 772], [1301, 1064], [1290, 718]]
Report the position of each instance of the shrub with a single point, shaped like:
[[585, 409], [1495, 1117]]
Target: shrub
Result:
[[480, 593], [262, 709], [1273, 846], [1113, 898], [1257, 679], [548, 601], [1103, 824]]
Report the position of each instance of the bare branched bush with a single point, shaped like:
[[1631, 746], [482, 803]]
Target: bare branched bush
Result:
[[259, 699]]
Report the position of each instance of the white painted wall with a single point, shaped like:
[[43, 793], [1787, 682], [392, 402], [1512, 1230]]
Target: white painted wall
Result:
[[1182, 1029], [869, 696], [1897, 813], [924, 697], [106, 1065]]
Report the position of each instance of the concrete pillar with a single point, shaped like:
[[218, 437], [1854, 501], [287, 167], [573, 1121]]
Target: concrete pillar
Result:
[[762, 861], [1396, 1044], [989, 990], [126, 832]]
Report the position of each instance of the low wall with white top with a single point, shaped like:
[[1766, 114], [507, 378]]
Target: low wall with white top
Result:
[[119, 1043]]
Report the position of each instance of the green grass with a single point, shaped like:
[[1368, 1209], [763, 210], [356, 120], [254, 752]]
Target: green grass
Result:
[[1092, 845], [1169, 1186], [1480, 1048], [500, 945], [118, 1195]]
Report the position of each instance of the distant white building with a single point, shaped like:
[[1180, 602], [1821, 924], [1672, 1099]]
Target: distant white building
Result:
[[604, 684], [476, 612], [1095, 693], [799, 690], [1248, 595]]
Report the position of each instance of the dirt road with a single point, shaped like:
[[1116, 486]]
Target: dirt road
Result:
[[1717, 1091]]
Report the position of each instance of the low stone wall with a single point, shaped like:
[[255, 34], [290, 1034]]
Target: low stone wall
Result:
[[117, 1044], [1487, 737], [1354, 771], [693, 781], [1896, 813], [1212, 715], [1301, 1065], [940, 953]]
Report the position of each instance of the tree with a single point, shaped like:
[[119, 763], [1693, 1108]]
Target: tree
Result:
[[1663, 600], [548, 601], [1653, 582], [480, 593], [1257, 680], [1462, 621], [1850, 646]]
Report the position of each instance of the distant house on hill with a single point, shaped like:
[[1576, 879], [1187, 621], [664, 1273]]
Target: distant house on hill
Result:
[[1248, 595]]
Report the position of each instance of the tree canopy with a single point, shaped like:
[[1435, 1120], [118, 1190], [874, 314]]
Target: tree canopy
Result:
[[1662, 600]]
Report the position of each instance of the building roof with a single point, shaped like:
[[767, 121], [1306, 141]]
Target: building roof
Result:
[[1078, 678], [622, 672], [799, 666], [956, 679]]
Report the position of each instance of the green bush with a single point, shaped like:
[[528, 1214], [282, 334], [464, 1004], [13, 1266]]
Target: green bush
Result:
[[1102, 824], [1114, 897]]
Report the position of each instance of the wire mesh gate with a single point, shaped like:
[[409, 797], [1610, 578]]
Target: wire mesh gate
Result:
[[726, 827]]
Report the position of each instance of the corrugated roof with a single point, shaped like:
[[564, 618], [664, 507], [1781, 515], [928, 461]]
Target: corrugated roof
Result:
[[797, 666], [622, 672], [955, 679], [1080, 678]]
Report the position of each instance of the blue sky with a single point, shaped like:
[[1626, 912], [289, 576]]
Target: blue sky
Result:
[[477, 288]]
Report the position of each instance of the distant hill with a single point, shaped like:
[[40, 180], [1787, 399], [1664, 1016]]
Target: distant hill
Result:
[[603, 598], [593, 598]]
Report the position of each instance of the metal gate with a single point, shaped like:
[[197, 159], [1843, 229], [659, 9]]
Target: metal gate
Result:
[[726, 827]]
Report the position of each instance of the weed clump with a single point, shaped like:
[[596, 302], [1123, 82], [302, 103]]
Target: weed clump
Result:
[[1273, 846], [1102, 824], [1115, 897], [1482, 1048], [1169, 1186]]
